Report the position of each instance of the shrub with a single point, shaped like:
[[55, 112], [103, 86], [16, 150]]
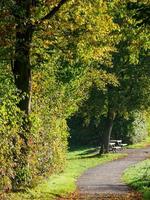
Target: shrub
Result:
[[47, 141]]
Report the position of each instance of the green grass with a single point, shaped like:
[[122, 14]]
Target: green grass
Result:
[[142, 144], [64, 183], [138, 177]]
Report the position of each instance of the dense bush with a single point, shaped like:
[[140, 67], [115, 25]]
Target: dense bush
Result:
[[47, 146], [10, 125], [47, 141], [52, 103]]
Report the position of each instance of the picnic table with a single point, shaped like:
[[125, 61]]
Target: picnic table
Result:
[[116, 145]]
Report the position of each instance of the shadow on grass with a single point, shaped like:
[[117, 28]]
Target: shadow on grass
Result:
[[96, 155], [140, 184], [81, 148], [89, 151]]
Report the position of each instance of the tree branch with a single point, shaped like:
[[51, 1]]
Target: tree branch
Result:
[[54, 10]]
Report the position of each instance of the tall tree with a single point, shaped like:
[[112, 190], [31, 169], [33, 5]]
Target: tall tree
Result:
[[76, 31], [130, 64]]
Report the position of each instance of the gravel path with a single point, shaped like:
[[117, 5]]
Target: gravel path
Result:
[[106, 178]]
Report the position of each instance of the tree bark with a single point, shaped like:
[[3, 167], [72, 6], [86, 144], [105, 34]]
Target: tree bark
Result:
[[107, 132]]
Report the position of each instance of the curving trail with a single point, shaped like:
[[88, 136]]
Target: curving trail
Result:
[[105, 180]]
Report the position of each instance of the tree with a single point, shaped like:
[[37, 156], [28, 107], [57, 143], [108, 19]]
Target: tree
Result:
[[131, 68], [21, 13], [68, 34]]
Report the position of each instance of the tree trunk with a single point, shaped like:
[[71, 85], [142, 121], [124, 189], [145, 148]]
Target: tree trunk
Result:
[[23, 80], [107, 132], [22, 68]]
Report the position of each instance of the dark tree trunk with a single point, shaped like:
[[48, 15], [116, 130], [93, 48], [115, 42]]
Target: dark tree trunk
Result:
[[22, 68], [105, 139], [23, 79]]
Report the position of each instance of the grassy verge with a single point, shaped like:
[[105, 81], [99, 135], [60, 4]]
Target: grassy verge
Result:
[[64, 183], [142, 144], [138, 177]]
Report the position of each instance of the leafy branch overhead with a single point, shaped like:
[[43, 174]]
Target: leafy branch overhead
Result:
[[142, 12]]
